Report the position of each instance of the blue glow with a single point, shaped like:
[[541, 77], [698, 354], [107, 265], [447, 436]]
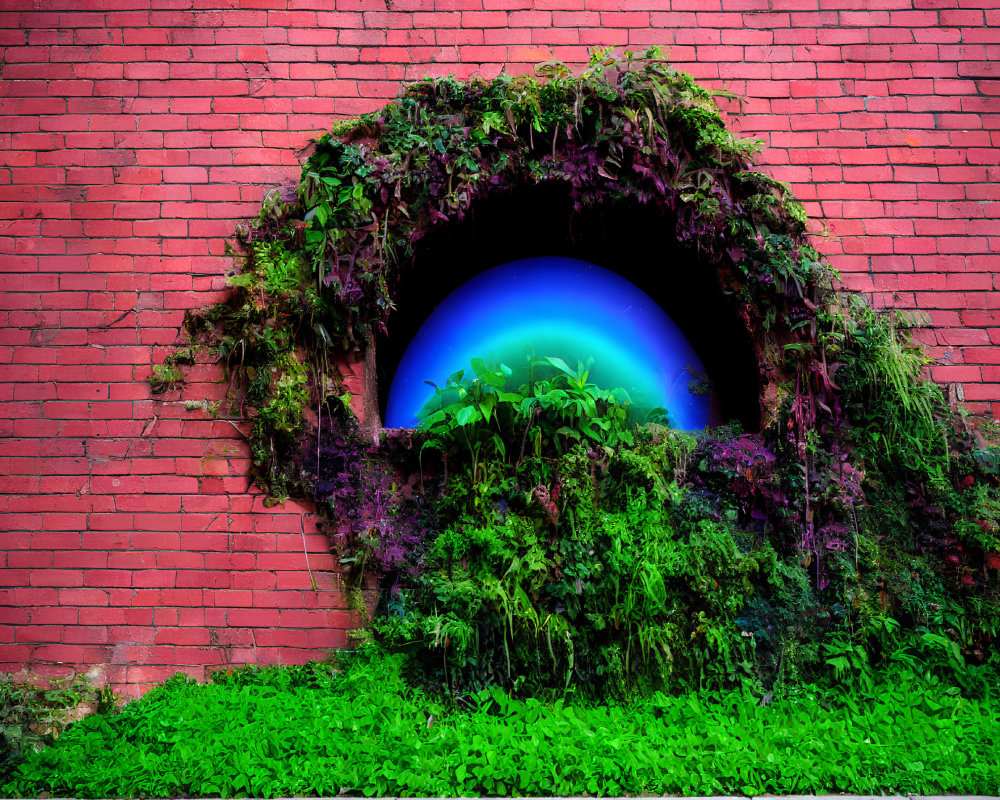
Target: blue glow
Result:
[[557, 307]]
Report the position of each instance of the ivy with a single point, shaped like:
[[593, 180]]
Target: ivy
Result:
[[536, 535]]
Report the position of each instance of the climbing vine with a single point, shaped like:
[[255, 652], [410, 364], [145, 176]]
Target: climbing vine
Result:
[[533, 535]]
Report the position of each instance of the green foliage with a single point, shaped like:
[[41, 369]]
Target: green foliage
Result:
[[278, 376], [275, 271], [901, 414], [32, 715], [563, 549], [547, 538], [165, 377], [362, 730], [322, 263], [287, 397], [569, 546], [490, 422]]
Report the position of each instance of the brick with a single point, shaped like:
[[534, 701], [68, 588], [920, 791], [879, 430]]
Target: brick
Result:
[[253, 618], [229, 598], [13, 616], [166, 616], [292, 618], [154, 578], [282, 638], [55, 578], [69, 654], [129, 635], [181, 636], [104, 578], [187, 597], [85, 634]]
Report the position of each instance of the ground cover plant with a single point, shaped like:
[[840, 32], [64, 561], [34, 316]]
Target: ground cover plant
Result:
[[366, 730], [32, 713], [532, 535]]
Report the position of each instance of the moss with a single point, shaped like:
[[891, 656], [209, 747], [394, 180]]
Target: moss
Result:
[[165, 377]]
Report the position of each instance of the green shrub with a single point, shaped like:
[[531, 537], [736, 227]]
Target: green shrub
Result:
[[316, 731], [33, 713]]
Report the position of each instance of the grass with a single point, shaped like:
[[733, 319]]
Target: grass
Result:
[[314, 730]]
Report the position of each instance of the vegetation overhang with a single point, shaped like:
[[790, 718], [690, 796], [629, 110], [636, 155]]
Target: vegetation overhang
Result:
[[533, 535]]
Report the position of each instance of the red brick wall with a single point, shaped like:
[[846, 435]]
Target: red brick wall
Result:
[[133, 139]]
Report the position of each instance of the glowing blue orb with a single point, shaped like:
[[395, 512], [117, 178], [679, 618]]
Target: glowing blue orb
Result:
[[561, 307]]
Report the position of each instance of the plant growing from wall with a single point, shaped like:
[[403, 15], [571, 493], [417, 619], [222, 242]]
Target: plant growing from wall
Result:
[[535, 535], [33, 714]]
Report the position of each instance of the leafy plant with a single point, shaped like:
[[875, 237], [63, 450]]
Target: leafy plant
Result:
[[533, 534], [360, 729], [33, 714], [165, 377], [547, 416]]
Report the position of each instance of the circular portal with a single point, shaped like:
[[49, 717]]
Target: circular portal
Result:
[[538, 307]]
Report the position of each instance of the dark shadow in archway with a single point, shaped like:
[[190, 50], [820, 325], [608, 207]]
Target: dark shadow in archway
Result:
[[636, 241]]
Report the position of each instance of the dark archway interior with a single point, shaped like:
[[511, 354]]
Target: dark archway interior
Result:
[[634, 240]]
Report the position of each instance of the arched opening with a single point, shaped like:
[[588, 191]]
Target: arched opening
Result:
[[552, 314], [633, 240]]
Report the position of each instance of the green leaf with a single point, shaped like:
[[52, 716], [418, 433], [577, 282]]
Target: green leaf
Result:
[[499, 446], [559, 364], [478, 366], [486, 407], [432, 419], [322, 212]]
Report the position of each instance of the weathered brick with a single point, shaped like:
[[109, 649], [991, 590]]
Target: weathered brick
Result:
[[183, 636]]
